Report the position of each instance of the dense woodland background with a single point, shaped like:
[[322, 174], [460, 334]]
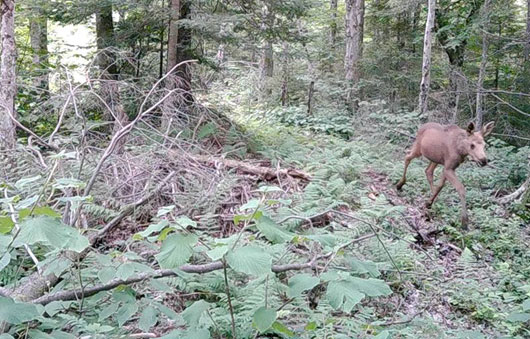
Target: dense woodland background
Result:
[[225, 169]]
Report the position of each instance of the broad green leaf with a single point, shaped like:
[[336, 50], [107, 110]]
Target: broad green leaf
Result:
[[43, 210], [6, 336], [26, 202], [324, 239], [184, 221], [342, 295], [125, 270], [301, 282], [108, 311], [272, 230], [63, 183], [362, 267], [56, 306], [518, 317], [57, 266], [370, 287], [281, 328], [251, 216], [250, 260], [125, 313], [17, 313], [264, 318], [5, 260], [218, 252], [51, 232], [6, 225], [192, 315], [176, 250], [154, 228], [148, 318], [161, 286], [252, 204], [106, 274], [165, 210], [25, 181]]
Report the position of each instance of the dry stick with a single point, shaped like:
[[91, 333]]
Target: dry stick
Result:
[[204, 268], [509, 105], [253, 169]]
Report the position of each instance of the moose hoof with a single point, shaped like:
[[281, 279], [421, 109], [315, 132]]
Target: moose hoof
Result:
[[428, 205], [399, 186]]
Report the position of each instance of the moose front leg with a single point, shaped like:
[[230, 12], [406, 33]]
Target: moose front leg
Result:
[[451, 177]]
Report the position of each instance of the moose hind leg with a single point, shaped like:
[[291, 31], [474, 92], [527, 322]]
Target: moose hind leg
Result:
[[412, 155], [429, 172], [451, 177]]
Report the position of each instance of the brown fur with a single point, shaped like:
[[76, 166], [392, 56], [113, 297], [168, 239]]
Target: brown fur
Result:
[[449, 146]]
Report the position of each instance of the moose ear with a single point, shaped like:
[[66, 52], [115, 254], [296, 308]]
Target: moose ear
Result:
[[486, 129], [471, 128]]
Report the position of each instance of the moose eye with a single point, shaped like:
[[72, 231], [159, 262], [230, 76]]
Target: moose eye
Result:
[[472, 146]]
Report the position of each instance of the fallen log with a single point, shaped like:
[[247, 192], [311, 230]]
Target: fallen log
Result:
[[268, 173]]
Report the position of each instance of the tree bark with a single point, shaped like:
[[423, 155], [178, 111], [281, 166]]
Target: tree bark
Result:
[[8, 85], [483, 64], [426, 65], [527, 46], [106, 60], [285, 74], [333, 25], [354, 49], [178, 50], [39, 44]]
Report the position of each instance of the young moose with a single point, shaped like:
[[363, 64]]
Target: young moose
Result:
[[448, 146]]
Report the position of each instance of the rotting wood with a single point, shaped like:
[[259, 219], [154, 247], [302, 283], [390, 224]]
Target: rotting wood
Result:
[[267, 173]]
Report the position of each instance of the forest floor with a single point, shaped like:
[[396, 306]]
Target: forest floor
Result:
[[452, 283]]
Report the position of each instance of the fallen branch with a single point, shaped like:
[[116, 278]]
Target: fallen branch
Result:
[[267, 173], [205, 268], [518, 193], [36, 285]]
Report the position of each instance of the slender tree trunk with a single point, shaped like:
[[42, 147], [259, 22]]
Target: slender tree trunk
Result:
[[483, 63], [527, 46], [8, 85], [172, 43], [354, 49], [39, 44], [109, 70], [178, 51], [266, 66], [285, 74], [333, 26], [426, 66]]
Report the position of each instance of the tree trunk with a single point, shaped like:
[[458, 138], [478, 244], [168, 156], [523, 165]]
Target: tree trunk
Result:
[[106, 60], [426, 66], [178, 51], [8, 85], [285, 74], [483, 63], [266, 66], [354, 49], [38, 31], [172, 43], [527, 46], [333, 25]]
